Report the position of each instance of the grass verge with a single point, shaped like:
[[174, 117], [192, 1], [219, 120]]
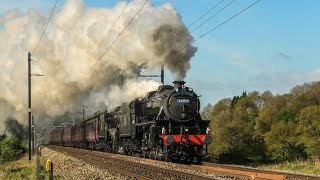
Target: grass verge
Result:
[[20, 169], [301, 167]]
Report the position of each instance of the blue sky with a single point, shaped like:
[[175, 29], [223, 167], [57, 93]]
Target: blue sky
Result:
[[272, 46]]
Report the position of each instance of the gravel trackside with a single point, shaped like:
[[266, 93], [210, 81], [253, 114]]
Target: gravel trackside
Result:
[[67, 167]]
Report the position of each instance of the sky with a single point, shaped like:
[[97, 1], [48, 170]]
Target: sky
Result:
[[272, 46]]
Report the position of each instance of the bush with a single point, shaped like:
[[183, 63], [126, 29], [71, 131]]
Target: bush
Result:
[[11, 150]]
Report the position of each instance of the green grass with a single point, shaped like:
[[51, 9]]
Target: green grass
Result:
[[20, 169], [302, 167]]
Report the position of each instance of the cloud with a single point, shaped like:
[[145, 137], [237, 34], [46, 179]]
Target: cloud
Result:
[[282, 82], [235, 56], [284, 55]]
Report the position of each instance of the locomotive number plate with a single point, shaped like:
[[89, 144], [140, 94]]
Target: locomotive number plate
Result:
[[183, 100]]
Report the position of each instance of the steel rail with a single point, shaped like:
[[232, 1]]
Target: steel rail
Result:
[[138, 170], [135, 170]]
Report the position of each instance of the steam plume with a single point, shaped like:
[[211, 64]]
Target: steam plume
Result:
[[64, 56]]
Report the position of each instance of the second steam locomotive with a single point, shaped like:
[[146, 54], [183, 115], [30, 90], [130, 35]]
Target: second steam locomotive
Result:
[[164, 125]]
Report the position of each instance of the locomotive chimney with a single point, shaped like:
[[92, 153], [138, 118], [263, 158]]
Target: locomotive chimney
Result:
[[178, 84]]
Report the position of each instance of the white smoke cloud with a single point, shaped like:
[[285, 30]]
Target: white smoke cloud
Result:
[[64, 56], [130, 90]]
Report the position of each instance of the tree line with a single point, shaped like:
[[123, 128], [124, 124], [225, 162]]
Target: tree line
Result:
[[262, 128]]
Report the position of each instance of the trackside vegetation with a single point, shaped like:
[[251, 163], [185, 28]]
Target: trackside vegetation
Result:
[[11, 149], [13, 162], [262, 128], [20, 169]]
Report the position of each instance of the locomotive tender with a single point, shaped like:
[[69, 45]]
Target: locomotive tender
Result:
[[164, 125]]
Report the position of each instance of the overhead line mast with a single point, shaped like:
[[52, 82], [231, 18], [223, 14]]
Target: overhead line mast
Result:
[[29, 103], [31, 122], [161, 75], [30, 125]]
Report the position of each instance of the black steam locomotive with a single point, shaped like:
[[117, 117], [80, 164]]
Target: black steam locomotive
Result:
[[164, 125]]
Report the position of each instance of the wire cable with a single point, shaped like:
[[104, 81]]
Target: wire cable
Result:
[[118, 36], [34, 50], [203, 15], [213, 15], [111, 28], [200, 18], [216, 27]]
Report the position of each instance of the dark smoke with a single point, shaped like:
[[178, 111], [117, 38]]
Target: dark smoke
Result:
[[14, 128], [6, 111], [111, 75], [168, 40]]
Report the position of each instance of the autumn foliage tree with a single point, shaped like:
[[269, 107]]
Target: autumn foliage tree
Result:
[[308, 130], [262, 127], [233, 130]]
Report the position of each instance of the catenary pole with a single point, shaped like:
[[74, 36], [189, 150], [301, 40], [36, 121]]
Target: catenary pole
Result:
[[32, 130], [29, 103], [83, 113], [162, 74]]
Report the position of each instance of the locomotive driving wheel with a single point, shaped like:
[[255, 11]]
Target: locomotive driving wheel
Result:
[[158, 153], [167, 153]]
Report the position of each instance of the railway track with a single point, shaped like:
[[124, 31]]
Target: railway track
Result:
[[140, 168], [134, 170]]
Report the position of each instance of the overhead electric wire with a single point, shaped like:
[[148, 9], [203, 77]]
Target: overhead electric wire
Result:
[[118, 36], [216, 27], [186, 28], [34, 50], [224, 7], [204, 14], [111, 28], [190, 31]]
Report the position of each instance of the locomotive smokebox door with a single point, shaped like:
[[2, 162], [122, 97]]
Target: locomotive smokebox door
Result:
[[182, 104]]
